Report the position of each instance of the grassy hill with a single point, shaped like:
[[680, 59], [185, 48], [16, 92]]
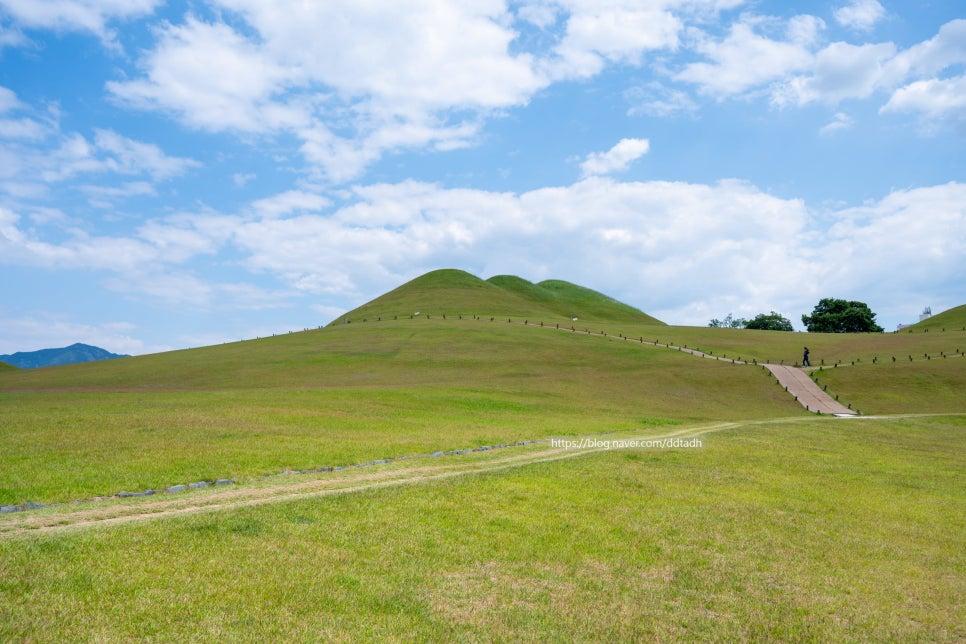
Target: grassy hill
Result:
[[6, 367], [453, 292], [937, 385], [570, 300], [950, 320], [352, 392]]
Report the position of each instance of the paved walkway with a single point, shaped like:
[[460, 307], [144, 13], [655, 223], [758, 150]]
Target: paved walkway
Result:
[[808, 394]]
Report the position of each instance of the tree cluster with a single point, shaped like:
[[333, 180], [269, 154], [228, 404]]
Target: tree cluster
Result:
[[830, 315]]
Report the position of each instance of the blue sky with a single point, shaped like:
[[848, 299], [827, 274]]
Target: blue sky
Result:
[[176, 174]]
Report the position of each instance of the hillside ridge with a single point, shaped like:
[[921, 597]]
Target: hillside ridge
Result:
[[454, 291], [954, 318]]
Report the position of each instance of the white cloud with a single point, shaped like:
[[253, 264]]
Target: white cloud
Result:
[[930, 261], [76, 15], [44, 331], [34, 155], [793, 71], [861, 15], [407, 74], [657, 99], [399, 69], [539, 14], [839, 71], [841, 121], [180, 288], [104, 196], [11, 38], [616, 159], [17, 127], [128, 156], [599, 33], [233, 90], [745, 59], [946, 49], [21, 128], [112, 253], [242, 179], [288, 202], [686, 251], [933, 98], [8, 99], [843, 71]]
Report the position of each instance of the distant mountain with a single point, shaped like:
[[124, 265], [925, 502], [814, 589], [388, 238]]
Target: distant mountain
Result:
[[52, 357]]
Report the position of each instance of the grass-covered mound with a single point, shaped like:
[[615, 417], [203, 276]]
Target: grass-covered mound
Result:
[[453, 292], [445, 291], [6, 367], [570, 300]]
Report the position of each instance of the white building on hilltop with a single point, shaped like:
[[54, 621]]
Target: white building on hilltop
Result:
[[925, 315]]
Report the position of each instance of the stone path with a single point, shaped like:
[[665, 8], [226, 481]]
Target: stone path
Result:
[[808, 394]]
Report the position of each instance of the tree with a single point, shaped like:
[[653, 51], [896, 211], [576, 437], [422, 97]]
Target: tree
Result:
[[728, 323], [831, 315], [773, 321]]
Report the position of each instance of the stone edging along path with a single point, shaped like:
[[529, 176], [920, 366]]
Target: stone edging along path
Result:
[[71, 517], [175, 489]]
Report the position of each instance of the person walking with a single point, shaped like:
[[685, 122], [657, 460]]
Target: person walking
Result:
[[805, 362]]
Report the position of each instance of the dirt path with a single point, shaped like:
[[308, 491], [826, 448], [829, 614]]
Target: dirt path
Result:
[[806, 392], [113, 512]]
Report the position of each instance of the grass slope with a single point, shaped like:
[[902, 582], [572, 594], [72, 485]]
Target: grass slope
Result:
[[445, 291], [341, 395], [824, 531], [453, 292], [950, 319], [6, 367], [937, 385], [774, 346]]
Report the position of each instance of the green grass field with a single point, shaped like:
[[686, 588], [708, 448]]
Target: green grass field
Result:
[[885, 388], [342, 395], [783, 525], [823, 530]]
